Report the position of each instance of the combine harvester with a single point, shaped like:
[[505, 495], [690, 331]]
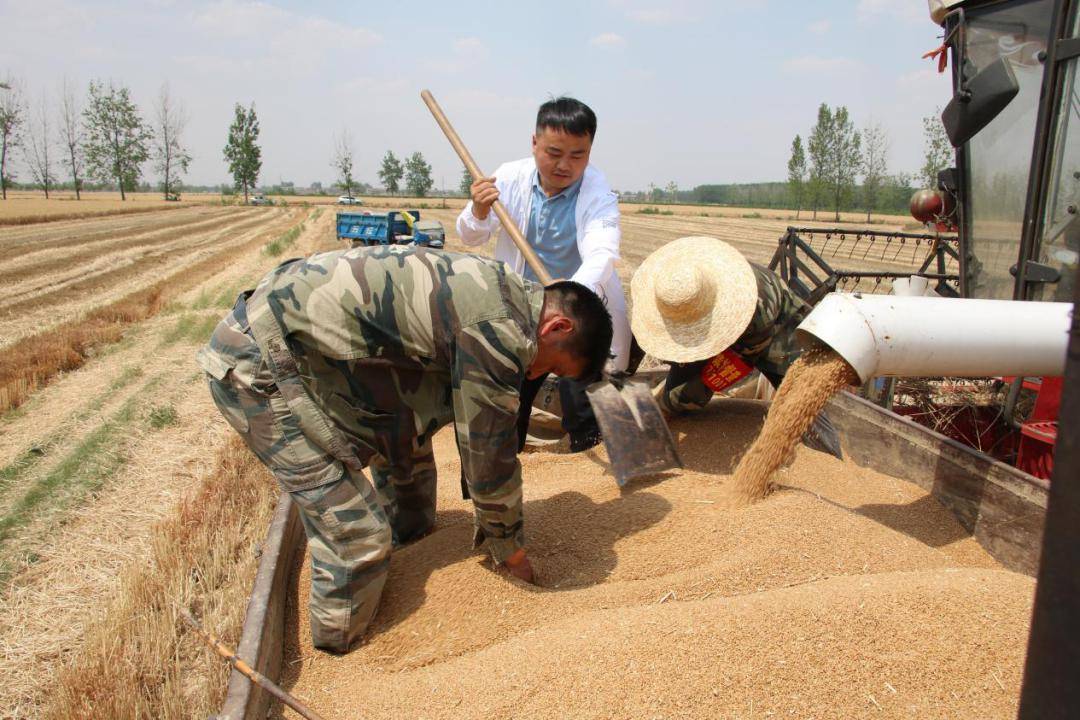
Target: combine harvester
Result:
[[1004, 236]]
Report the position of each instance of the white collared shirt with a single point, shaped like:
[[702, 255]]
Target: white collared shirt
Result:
[[596, 218]]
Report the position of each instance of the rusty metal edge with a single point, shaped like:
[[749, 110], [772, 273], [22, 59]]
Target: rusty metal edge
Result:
[[262, 640]]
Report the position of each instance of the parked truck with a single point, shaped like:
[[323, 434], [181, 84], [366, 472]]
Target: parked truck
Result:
[[397, 227]]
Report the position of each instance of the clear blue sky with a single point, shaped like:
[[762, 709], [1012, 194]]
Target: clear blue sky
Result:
[[694, 92]]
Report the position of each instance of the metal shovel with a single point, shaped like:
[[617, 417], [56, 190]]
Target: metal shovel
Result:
[[633, 429]]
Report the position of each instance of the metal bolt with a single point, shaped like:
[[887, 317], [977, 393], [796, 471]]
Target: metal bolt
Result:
[[1071, 209], [1041, 56]]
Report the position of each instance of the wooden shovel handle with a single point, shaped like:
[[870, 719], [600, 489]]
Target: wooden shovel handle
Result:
[[500, 211]]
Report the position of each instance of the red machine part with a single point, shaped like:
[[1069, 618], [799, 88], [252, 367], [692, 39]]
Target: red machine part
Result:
[[1039, 433], [934, 207], [927, 205]]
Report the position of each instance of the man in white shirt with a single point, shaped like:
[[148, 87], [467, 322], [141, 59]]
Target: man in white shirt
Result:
[[570, 216]]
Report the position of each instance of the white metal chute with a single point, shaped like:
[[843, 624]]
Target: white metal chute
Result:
[[887, 335]]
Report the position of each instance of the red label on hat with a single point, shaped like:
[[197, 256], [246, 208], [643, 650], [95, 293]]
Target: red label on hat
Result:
[[724, 370]]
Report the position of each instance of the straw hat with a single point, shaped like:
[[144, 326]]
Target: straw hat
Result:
[[692, 299]]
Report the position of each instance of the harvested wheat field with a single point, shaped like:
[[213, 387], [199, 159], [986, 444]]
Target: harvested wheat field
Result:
[[754, 232], [68, 288], [755, 235], [24, 207], [120, 487], [844, 594], [54, 272]]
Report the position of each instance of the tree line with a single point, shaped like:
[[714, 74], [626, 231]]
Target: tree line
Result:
[[104, 138], [99, 137], [839, 168], [775, 195], [415, 170], [823, 176]]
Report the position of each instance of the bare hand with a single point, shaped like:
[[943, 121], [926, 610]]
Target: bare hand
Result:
[[519, 566], [484, 195]]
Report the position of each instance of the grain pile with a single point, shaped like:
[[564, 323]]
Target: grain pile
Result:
[[812, 380], [844, 594]]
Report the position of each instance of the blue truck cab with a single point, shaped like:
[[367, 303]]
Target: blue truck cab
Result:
[[397, 227]]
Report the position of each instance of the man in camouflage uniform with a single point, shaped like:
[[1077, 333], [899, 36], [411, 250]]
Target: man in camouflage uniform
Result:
[[766, 344], [356, 358]]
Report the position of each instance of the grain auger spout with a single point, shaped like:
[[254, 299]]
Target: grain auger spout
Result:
[[885, 335]]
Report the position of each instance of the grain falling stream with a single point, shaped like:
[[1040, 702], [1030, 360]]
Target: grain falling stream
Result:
[[808, 385]]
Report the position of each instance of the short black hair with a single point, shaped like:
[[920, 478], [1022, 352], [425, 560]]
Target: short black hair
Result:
[[591, 340], [567, 115]]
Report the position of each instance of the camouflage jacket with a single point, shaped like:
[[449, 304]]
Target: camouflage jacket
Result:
[[768, 343], [394, 342]]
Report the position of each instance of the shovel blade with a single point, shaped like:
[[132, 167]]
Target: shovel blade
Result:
[[635, 433]]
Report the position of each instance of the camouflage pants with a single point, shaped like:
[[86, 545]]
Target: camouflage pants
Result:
[[350, 523]]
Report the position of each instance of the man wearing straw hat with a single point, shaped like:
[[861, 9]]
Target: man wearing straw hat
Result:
[[569, 214], [700, 305]]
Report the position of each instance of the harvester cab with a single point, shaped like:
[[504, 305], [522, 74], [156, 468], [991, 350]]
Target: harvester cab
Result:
[[1014, 120]]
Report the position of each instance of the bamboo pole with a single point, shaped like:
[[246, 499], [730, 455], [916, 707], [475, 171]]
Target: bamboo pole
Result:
[[500, 210]]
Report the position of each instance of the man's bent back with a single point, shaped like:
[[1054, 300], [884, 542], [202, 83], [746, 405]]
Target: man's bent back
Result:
[[355, 358]]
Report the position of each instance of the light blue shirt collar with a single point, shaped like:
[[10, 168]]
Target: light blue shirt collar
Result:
[[569, 190]]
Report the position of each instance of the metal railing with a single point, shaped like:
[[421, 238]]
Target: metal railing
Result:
[[817, 261]]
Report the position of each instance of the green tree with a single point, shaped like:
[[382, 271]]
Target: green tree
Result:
[[171, 158], [117, 140], [897, 191], [819, 146], [465, 185], [418, 175], [672, 189], [11, 119], [874, 166], [937, 150], [343, 161], [796, 172], [846, 159], [242, 150], [391, 173]]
